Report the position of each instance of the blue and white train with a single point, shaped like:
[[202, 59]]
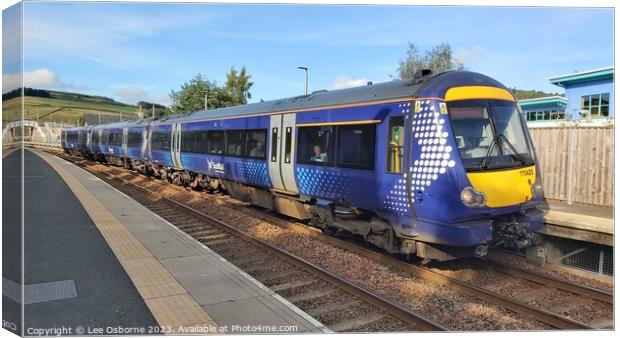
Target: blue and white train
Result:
[[440, 166]]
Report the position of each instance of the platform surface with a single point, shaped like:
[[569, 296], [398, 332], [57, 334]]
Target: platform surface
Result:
[[579, 221], [71, 276], [227, 295]]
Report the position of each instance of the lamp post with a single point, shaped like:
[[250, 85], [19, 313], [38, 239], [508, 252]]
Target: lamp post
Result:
[[206, 97], [305, 69]]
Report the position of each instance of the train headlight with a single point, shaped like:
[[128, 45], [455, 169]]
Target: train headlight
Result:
[[537, 190], [472, 198]]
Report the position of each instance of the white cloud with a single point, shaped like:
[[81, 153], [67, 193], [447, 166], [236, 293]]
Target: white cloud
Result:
[[133, 94], [38, 78], [472, 56], [160, 99], [10, 82], [344, 81], [106, 36]]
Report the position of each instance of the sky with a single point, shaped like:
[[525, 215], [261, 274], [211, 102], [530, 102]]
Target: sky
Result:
[[141, 51]]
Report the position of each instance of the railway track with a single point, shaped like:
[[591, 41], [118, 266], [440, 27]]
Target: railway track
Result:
[[339, 304], [546, 284]]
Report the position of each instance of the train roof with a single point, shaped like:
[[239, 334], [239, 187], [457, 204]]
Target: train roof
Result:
[[77, 128], [425, 84], [123, 124], [322, 98]]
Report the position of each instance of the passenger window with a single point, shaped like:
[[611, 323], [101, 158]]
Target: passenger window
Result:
[[105, 139], [395, 145], [316, 145], [165, 140], [234, 143], [356, 146], [114, 138], [216, 142], [200, 141], [156, 142], [255, 143], [188, 141], [83, 136], [134, 139], [161, 140]]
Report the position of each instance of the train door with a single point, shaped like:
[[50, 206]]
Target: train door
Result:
[[281, 153], [124, 145], [175, 147], [99, 140], [287, 167], [89, 134], [275, 132]]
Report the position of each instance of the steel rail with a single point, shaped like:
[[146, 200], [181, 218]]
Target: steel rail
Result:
[[540, 278], [552, 319], [544, 316], [391, 308]]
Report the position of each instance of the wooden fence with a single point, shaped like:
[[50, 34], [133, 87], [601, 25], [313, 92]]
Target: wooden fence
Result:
[[577, 163]]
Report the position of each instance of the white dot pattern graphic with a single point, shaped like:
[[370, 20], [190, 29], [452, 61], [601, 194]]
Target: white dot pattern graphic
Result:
[[430, 141]]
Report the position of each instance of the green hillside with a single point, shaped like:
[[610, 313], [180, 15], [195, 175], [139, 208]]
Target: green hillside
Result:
[[71, 108]]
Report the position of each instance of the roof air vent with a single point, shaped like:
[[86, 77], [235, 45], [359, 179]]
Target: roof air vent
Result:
[[421, 75]]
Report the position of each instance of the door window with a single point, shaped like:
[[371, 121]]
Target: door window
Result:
[[396, 143]]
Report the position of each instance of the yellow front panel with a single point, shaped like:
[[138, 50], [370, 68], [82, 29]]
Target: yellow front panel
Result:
[[478, 92], [506, 187]]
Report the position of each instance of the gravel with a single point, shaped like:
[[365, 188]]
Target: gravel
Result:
[[593, 282], [452, 308]]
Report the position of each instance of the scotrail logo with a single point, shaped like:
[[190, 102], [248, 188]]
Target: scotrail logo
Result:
[[217, 167]]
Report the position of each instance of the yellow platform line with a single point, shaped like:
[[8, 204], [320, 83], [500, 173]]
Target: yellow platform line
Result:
[[168, 301]]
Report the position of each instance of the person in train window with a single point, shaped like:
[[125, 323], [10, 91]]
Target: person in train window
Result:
[[318, 156], [258, 150]]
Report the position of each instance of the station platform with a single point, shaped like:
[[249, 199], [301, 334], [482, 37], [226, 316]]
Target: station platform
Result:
[[177, 283], [589, 223]]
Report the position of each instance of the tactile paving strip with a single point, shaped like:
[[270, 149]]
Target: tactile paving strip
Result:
[[39, 293]]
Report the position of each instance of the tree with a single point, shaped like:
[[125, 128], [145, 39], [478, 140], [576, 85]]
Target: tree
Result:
[[238, 85], [438, 59], [531, 94], [191, 96]]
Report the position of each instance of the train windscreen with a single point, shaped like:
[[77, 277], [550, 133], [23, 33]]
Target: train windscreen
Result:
[[489, 134]]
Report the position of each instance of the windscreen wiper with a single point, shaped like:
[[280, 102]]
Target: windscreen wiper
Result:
[[484, 162], [512, 148]]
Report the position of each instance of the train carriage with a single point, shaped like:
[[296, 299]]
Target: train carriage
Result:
[[74, 140], [441, 166]]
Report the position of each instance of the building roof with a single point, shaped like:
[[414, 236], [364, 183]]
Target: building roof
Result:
[[585, 76], [547, 100]]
